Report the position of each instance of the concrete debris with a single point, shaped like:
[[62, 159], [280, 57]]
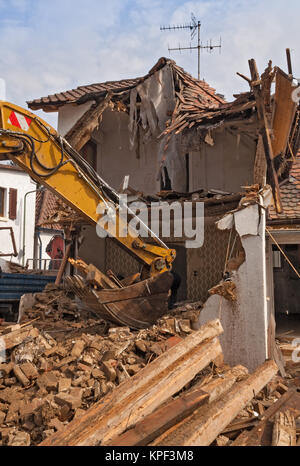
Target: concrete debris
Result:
[[55, 370]]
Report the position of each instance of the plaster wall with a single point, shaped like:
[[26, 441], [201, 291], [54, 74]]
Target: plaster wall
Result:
[[227, 165], [245, 321], [117, 159], [69, 114]]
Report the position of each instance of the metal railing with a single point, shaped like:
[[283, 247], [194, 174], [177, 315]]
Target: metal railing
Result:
[[51, 265]]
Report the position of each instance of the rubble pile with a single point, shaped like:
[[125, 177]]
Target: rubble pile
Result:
[[46, 382], [52, 304], [59, 364], [187, 396]]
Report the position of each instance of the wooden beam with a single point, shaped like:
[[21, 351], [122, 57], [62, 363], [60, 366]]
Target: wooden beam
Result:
[[155, 424], [144, 392], [93, 275], [63, 264], [284, 430], [98, 278], [16, 337], [81, 132], [162, 419], [202, 428], [265, 133], [253, 437]]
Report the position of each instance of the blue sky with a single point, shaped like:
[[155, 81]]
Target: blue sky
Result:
[[50, 46]]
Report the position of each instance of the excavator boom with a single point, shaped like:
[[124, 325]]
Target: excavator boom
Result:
[[47, 157]]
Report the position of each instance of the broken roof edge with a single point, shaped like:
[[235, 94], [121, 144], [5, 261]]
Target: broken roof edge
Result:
[[82, 94]]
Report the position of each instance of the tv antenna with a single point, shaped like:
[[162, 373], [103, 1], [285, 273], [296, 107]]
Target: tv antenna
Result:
[[194, 27]]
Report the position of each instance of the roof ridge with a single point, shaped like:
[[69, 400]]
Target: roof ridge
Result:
[[53, 101]]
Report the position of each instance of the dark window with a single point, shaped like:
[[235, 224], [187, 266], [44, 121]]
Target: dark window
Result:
[[2, 198], [12, 213], [89, 152], [165, 182], [187, 168]]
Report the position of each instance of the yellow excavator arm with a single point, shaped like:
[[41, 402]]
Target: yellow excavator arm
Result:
[[47, 157]]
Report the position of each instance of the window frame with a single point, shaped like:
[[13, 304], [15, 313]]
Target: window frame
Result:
[[3, 211]]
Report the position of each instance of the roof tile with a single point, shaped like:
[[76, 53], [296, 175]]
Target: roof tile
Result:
[[290, 195]]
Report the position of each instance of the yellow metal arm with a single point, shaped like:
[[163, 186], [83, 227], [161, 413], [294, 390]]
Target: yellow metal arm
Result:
[[39, 150]]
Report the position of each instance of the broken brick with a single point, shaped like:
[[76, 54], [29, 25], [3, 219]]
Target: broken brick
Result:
[[56, 424], [29, 370], [64, 384], [109, 370], [6, 368], [21, 376], [78, 348], [84, 367], [72, 399], [19, 439], [48, 380], [172, 341], [141, 346], [97, 373], [2, 417]]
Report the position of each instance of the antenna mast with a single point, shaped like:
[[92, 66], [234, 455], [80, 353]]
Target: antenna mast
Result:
[[194, 27]]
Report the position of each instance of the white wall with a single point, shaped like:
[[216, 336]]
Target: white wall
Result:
[[116, 159], [10, 178], [69, 114], [245, 322]]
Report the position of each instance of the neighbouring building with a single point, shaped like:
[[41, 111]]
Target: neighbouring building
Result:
[[49, 239], [17, 214]]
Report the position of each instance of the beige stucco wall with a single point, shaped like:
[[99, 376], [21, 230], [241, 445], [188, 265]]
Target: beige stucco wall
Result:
[[227, 165], [116, 159]]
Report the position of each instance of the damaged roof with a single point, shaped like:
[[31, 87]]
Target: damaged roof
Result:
[[81, 94], [290, 195], [45, 206]]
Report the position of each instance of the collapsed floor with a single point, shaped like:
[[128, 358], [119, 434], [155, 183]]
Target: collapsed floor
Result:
[[63, 367]]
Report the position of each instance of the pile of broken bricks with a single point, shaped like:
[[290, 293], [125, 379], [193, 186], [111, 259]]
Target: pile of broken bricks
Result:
[[46, 382], [52, 391]]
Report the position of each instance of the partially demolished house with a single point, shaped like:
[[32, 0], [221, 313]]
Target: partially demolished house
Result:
[[177, 138], [283, 254]]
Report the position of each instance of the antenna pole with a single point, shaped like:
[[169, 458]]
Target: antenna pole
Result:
[[199, 49], [194, 27]]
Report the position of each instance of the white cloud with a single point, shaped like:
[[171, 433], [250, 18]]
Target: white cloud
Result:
[[54, 46]]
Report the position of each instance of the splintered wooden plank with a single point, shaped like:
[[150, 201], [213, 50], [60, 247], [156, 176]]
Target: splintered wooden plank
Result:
[[154, 425], [254, 437], [12, 339], [162, 419], [98, 278], [284, 112], [81, 132], [284, 430], [202, 428], [144, 392], [265, 133]]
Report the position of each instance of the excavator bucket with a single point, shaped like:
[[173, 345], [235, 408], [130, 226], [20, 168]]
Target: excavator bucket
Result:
[[136, 306]]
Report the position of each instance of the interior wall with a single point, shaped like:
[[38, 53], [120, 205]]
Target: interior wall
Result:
[[116, 159], [92, 250], [227, 165]]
